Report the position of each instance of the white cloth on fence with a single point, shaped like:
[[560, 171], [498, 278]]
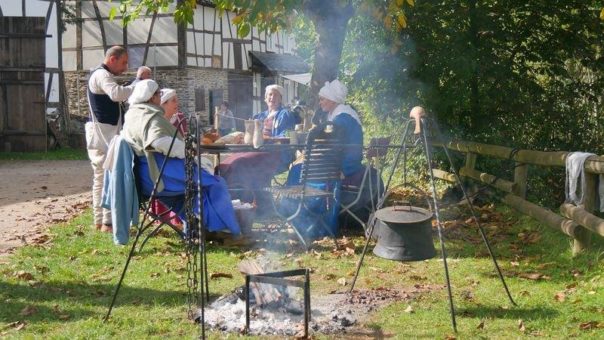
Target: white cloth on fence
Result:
[[575, 175]]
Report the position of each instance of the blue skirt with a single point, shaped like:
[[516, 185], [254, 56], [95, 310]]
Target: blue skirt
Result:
[[218, 212]]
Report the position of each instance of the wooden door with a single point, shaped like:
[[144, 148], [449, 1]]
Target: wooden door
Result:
[[240, 97], [22, 102]]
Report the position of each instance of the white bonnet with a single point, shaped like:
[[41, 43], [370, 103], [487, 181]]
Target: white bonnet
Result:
[[334, 91], [167, 94], [143, 91], [279, 88]]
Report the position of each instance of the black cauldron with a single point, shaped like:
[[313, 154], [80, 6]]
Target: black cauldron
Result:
[[405, 233]]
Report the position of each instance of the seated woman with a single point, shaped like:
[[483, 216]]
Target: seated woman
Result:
[[347, 127], [254, 170], [150, 134], [169, 102]]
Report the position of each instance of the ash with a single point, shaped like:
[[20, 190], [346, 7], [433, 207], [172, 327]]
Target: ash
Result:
[[329, 314]]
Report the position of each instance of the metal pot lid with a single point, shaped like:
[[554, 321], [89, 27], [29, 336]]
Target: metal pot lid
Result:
[[403, 214]]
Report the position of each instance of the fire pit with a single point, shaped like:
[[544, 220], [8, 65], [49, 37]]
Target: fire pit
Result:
[[280, 279]]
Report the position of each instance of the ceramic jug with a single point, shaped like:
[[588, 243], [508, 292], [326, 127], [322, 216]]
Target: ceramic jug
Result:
[[248, 137], [258, 137]]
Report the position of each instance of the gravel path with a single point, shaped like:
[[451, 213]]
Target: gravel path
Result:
[[36, 194]]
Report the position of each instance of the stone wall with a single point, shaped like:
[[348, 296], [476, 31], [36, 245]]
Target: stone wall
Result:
[[184, 81]]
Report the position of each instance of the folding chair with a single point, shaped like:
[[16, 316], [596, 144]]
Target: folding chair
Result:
[[172, 203], [311, 207], [358, 201], [128, 209]]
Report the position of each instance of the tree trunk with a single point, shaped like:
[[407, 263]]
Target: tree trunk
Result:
[[331, 21]]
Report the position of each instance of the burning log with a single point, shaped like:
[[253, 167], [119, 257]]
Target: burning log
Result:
[[263, 293]]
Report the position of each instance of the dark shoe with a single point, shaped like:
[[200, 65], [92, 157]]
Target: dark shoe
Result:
[[106, 228]]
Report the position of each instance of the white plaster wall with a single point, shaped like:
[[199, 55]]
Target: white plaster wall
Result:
[[52, 45], [54, 87], [69, 60], [33, 8], [92, 58], [162, 55], [11, 8], [91, 34], [138, 31], [164, 31], [114, 33], [69, 37]]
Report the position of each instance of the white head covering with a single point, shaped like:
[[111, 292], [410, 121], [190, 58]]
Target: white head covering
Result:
[[279, 88], [343, 108], [167, 94], [143, 91], [334, 91]]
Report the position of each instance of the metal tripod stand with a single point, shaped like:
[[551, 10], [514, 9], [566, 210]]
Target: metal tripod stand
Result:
[[427, 126]]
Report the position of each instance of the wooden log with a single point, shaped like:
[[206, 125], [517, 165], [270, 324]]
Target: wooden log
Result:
[[594, 164], [489, 179], [471, 160], [444, 175], [583, 239], [583, 217], [264, 293], [520, 180], [543, 215]]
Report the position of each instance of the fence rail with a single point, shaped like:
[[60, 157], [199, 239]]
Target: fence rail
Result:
[[578, 222]]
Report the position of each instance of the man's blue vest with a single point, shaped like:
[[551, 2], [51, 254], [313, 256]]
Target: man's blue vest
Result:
[[105, 110]]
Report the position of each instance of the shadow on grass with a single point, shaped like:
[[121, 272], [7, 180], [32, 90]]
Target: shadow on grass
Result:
[[84, 300], [513, 313]]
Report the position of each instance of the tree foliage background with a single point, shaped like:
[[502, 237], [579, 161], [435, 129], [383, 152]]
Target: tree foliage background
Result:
[[523, 74]]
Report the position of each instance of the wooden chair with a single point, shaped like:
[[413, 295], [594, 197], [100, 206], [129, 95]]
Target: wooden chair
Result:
[[359, 201], [313, 204]]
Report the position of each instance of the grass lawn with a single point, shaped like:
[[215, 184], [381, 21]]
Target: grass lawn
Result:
[[57, 154], [62, 289]]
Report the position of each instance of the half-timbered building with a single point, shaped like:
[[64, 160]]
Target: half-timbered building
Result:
[[205, 61], [53, 44]]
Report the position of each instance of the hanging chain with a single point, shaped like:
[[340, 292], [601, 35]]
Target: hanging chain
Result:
[[192, 251]]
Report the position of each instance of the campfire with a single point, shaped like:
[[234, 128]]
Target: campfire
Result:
[[278, 304]]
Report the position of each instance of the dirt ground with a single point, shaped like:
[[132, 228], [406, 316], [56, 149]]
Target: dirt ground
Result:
[[36, 194]]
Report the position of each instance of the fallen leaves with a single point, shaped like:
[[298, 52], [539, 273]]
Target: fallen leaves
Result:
[[521, 326], [17, 325], [221, 275], [529, 237], [480, 325], [534, 276], [585, 326], [23, 275], [28, 310]]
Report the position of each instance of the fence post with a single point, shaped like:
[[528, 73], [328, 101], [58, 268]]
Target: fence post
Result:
[[583, 236], [520, 179]]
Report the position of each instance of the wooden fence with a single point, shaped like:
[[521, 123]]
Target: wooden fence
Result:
[[575, 221]]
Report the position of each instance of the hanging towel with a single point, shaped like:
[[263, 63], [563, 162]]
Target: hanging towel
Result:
[[575, 172]]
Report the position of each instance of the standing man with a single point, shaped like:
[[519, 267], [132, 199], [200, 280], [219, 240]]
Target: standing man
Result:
[[106, 117], [142, 73]]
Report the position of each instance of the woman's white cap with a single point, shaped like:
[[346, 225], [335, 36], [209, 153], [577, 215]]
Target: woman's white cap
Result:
[[334, 91], [143, 91]]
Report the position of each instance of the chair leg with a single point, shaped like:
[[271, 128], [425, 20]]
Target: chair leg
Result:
[[154, 232], [119, 284]]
